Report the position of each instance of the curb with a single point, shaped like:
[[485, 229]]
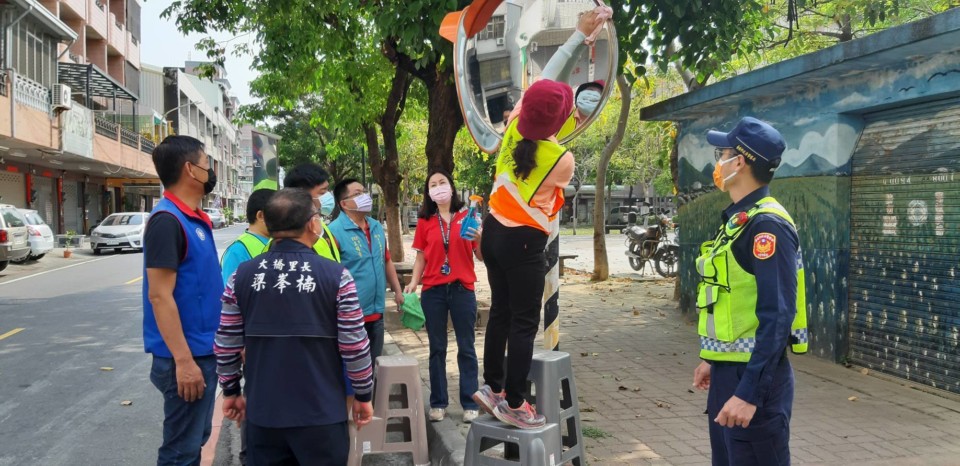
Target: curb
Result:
[[445, 443]]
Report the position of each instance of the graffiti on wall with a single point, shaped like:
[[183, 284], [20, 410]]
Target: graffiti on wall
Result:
[[822, 123]]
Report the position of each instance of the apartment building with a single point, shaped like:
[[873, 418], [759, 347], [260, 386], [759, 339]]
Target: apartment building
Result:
[[70, 139], [203, 107]]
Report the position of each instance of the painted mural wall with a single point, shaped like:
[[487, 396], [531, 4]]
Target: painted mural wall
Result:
[[820, 118]]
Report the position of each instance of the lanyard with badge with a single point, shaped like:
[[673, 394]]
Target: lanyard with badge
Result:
[[445, 234]]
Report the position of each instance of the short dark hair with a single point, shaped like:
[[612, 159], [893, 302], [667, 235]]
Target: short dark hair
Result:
[[288, 212], [429, 207], [306, 176], [759, 170], [257, 202], [172, 154], [340, 191]]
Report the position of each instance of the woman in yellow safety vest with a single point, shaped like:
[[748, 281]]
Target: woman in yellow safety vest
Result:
[[531, 171]]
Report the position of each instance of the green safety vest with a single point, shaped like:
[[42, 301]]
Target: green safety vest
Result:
[[323, 247], [327, 245], [727, 295], [254, 246]]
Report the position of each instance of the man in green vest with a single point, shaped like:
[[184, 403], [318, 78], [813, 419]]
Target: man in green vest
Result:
[[314, 178], [751, 304], [252, 241]]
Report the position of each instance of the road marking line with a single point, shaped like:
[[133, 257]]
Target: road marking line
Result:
[[134, 280], [53, 270], [11, 333]]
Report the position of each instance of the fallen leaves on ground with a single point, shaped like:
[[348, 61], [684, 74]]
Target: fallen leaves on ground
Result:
[[126, 403], [852, 398]]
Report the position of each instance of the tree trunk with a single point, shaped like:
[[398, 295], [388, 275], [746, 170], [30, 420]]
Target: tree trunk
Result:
[[601, 268], [386, 170], [445, 120]]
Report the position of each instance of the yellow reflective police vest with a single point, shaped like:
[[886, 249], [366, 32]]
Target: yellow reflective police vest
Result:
[[727, 295], [512, 197], [327, 245]]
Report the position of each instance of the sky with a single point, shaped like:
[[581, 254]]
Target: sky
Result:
[[163, 45]]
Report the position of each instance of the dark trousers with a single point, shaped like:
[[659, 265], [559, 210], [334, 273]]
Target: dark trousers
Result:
[[315, 445], [186, 426], [516, 265], [461, 305], [375, 335], [766, 442]]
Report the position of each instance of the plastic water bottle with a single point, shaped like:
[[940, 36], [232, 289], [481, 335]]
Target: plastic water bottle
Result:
[[473, 218]]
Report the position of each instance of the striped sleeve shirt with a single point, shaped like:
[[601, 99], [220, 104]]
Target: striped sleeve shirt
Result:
[[228, 343], [351, 338]]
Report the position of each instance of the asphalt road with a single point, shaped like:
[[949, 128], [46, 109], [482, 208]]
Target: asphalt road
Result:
[[61, 323]]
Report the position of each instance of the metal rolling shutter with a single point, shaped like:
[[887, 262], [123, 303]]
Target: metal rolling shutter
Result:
[[13, 189], [46, 202], [905, 244], [72, 218]]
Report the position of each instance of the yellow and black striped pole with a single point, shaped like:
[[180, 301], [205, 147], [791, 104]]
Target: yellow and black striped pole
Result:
[[551, 289]]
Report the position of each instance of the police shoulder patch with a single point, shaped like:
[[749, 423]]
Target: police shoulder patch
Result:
[[764, 245]]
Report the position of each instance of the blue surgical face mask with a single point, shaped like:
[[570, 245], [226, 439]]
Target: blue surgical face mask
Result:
[[588, 100], [326, 203]]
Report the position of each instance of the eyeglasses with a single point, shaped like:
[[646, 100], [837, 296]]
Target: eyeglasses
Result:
[[718, 152]]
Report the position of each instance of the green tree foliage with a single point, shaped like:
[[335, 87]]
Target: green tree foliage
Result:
[[798, 27]]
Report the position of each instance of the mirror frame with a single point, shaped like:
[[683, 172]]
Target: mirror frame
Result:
[[460, 27]]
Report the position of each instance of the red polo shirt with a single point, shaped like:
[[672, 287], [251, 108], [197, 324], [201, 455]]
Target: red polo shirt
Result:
[[428, 240]]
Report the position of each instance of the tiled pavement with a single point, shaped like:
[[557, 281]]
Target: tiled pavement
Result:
[[634, 358]]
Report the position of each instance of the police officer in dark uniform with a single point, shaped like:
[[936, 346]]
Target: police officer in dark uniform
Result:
[[298, 317], [751, 304]]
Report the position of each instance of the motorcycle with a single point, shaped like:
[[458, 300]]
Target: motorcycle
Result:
[[652, 244]]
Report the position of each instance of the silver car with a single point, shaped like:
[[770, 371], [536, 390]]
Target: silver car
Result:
[[119, 231], [13, 235], [216, 217], [41, 236]]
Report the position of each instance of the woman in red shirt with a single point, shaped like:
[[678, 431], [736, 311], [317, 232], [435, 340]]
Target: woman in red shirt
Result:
[[444, 266]]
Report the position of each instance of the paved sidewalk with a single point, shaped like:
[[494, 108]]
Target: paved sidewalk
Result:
[[634, 358]]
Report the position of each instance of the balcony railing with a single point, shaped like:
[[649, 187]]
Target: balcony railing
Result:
[[31, 93], [106, 127], [147, 145], [129, 138]]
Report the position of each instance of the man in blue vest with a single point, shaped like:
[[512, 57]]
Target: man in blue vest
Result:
[[181, 298], [363, 251], [297, 316], [751, 304], [252, 241]]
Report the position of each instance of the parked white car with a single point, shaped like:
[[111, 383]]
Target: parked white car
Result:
[[13, 235], [118, 231], [40, 234]]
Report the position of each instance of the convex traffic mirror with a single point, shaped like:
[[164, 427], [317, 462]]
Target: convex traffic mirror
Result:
[[501, 47]]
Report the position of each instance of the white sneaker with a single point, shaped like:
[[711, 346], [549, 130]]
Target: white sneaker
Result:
[[437, 414], [469, 415]]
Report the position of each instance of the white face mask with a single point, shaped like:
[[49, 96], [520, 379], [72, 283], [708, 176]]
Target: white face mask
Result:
[[364, 203]]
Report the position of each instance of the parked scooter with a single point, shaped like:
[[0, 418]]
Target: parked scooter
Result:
[[652, 244]]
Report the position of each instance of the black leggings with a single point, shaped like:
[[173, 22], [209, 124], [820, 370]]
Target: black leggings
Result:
[[516, 265]]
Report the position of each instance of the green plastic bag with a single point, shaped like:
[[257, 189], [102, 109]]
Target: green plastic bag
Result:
[[412, 316]]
